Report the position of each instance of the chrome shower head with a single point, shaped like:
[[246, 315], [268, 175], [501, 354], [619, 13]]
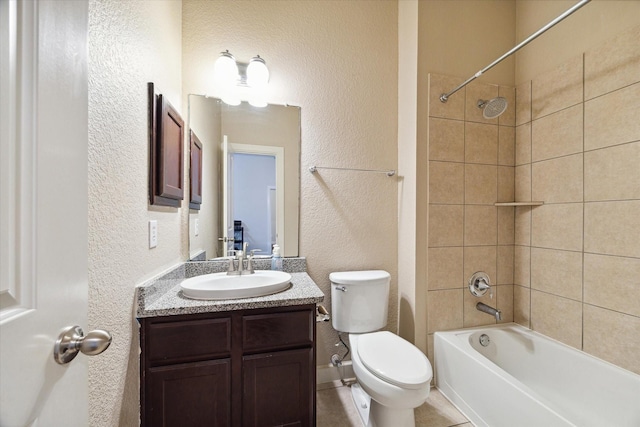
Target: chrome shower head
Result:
[[493, 107]]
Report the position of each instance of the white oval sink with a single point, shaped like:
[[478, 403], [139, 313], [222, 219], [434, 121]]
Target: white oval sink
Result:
[[222, 286]]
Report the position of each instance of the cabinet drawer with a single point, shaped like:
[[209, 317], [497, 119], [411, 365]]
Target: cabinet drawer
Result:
[[265, 332], [188, 340]]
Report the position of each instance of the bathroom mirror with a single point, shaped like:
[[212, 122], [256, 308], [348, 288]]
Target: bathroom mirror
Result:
[[250, 178]]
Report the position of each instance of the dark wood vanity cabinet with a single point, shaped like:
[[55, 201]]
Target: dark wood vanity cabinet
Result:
[[239, 368]]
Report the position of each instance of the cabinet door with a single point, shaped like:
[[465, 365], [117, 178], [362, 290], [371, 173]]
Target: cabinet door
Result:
[[278, 389], [193, 394]]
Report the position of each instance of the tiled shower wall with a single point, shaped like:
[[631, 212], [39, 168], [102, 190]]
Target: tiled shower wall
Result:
[[471, 167], [577, 257]]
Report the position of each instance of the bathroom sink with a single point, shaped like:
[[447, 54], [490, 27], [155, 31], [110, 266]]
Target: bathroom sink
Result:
[[218, 286]]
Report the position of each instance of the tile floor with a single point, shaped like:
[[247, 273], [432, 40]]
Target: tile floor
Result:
[[335, 408]]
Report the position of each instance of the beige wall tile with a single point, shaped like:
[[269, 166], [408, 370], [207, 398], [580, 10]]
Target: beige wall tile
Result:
[[613, 64], [523, 144], [473, 316], [506, 225], [557, 272], [480, 225], [522, 265], [523, 103], [454, 107], [612, 118], [612, 282], [505, 265], [521, 305], [480, 258], [506, 184], [480, 184], [523, 183], [558, 134], [481, 143], [445, 309], [612, 228], [557, 89], [446, 182], [506, 146], [560, 318], [558, 180], [522, 234], [612, 336], [446, 225], [476, 92], [612, 173], [446, 140], [505, 303], [508, 118], [445, 268], [557, 226]]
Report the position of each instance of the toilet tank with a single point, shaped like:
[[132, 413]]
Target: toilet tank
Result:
[[359, 300]]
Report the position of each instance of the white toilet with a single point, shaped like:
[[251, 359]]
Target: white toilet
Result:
[[393, 375]]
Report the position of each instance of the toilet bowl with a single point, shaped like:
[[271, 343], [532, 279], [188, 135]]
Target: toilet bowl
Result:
[[393, 376]]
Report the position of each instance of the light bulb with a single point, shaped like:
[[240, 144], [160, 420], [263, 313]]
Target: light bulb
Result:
[[225, 70], [258, 100], [230, 97], [257, 73]]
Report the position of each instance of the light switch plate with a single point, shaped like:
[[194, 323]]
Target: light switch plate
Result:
[[153, 233]]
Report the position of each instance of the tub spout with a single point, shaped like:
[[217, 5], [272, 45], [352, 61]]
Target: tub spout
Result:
[[489, 310]]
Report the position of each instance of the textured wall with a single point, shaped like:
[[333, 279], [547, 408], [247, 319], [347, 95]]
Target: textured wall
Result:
[[412, 309], [338, 62], [130, 44], [594, 23], [458, 38]]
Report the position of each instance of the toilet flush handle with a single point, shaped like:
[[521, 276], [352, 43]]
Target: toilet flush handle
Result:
[[341, 288]]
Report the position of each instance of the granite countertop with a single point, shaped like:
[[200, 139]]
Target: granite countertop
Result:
[[163, 297]]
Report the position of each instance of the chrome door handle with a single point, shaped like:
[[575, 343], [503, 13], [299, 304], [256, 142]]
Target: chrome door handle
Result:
[[72, 340]]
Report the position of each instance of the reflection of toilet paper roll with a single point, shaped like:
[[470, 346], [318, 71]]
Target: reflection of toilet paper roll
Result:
[[322, 315]]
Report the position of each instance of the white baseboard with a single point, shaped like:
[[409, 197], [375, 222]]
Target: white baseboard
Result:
[[327, 374]]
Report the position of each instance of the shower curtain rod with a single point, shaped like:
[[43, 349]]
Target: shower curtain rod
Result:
[[445, 96]]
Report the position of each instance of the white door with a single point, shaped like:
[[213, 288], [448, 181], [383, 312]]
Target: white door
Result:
[[228, 186], [227, 201], [43, 210]]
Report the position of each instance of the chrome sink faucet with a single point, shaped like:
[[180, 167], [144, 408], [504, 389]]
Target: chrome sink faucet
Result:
[[240, 256]]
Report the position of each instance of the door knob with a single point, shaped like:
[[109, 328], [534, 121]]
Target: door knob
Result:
[[72, 340]]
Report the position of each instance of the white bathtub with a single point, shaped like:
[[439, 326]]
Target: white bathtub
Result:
[[523, 378]]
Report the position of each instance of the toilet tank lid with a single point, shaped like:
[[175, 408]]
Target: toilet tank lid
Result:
[[358, 277]]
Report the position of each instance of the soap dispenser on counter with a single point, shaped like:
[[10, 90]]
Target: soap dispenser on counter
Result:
[[276, 258]]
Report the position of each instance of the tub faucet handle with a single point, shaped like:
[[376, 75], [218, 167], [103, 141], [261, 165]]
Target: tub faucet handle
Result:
[[479, 283]]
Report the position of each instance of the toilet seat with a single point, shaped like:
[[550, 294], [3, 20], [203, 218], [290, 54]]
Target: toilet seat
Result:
[[394, 360]]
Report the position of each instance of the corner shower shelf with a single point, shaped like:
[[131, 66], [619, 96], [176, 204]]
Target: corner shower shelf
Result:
[[519, 204]]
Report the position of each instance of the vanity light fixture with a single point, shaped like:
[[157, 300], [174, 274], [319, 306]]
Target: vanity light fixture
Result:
[[234, 77]]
